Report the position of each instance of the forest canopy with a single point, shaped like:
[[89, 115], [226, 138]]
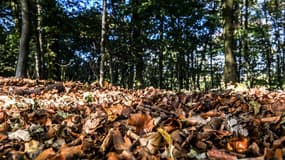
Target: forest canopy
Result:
[[178, 44]]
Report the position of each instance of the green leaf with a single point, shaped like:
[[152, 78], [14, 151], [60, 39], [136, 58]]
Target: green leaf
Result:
[[256, 106]]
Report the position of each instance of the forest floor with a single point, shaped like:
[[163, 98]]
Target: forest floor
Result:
[[71, 120]]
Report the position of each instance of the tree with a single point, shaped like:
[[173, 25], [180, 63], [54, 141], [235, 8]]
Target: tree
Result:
[[230, 71], [137, 37], [39, 40], [102, 47], [24, 40]]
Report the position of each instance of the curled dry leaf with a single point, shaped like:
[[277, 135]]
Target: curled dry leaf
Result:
[[112, 156], [20, 135], [93, 122], [32, 146], [46, 154], [274, 119], [151, 141], [114, 111], [69, 152], [171, 124], [220, 155], [119, 142], [142, 122], [211, 113], [278, 142], [239, 145], [107, 141]]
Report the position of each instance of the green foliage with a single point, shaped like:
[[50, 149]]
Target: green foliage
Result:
[[172, 45]]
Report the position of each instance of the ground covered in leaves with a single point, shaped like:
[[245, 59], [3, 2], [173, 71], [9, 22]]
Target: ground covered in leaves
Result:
[[51, 120]]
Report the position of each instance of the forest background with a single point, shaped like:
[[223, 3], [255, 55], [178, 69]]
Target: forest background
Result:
[[171, 44]]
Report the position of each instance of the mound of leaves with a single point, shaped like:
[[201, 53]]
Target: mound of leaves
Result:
[[70, 120]]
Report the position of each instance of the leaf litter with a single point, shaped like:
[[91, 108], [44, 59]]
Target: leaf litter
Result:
[[71, 120]]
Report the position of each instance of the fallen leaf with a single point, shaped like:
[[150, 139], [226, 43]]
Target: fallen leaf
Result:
[[119, 142], [239, 145], [142, 122], [274, 119], [151, 141], [107, 141], [255, 105], [211, 113], [70, 152], [112, 156], [278, 142], [32, 146], [46, 154], [220, 155], [20, 135]]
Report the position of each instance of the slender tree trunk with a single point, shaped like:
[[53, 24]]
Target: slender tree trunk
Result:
[[283, 50], [111, 72], [102, 43], [230, 70], [179, 64], [278, 41], [267, 51], [39, 55], [15, 14], [211, 65], [131, 76], [246, 48], [160, 56], [137, 49], [24, 40]]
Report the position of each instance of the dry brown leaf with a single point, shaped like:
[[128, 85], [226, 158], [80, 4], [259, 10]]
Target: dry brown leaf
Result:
[[151, 141], [172, 124], [93, 122], [70, 152], [239, 145], [32, 146], [107, 141], [274, 119], [46, 154], [278, 142], [113, 111], [142, 122], [4, 127], [119, 142], [3, 137], [112, 156], [211, 113], [278, 154], [216, 154]]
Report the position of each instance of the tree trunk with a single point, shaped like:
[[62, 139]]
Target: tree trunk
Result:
[[137, 49], [267, 49], [102, 47], [15, 14], [230, 70], [160, 56], [24, 40], [39, 55], [111, 71], [179, 64], [283, 51]]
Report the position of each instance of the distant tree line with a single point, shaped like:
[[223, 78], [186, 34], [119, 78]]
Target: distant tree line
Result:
[[178, 44]]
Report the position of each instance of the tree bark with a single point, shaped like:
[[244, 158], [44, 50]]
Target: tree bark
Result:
[[102, 43], [24, 40], [39, 38], [160, 56], [230, 70], [137, 49]]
